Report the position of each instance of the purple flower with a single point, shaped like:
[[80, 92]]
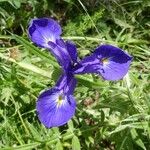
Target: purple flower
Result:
[[57, 105]]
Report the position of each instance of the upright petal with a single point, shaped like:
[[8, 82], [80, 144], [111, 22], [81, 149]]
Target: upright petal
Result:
[[110, 62], [45, 33], [43, 30], [72, 50], [67, 82], [54, 108], [60, 54]]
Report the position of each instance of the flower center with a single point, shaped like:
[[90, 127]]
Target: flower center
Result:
[[59, 100], [104, 61]]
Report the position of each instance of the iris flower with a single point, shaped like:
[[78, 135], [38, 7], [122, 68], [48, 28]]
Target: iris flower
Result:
[[56, 106]]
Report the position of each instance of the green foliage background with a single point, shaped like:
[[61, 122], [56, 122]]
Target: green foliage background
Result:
[[109, 115]]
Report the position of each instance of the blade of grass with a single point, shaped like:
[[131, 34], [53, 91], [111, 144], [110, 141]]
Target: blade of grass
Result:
[[35, 50], [27, 66]]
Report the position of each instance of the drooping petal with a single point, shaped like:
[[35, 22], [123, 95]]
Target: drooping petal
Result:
[[54, 108], [72, 50], [110, 62], [114, 71], [43, 30], [114, 53], [57, 105]]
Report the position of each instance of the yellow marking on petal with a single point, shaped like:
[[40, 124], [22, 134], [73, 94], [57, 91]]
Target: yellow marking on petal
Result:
[[105, 61], [59, 101]]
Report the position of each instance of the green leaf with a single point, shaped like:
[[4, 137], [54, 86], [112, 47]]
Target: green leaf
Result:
[[137, 125], [137, 139], [35, 134], [17, 3], [14, 3], [59, 146], [6, 94], [70, 125], [23, 147], [75, 143], [122, 23]]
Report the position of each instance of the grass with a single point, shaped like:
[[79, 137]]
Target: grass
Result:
[[109, 115]]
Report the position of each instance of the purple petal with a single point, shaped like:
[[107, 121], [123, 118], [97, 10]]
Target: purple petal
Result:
[[71, 84], [115, 62], [62, 82], [114, 71], [88, 65], [45, 33], [72, 50], [60, 54], [67, 82], [114, 53], [54, 108], [43, 30], [61, 43], [110, 62]]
